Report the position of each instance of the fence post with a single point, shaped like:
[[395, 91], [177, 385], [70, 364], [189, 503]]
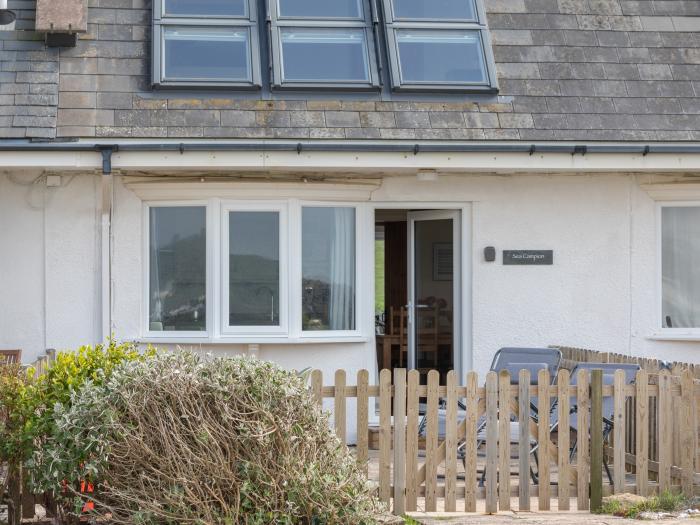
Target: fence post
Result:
[[385, 435], [451, 444], [543, 404], [688, 432], [596, 439], [339, 414], [431, 441], [619, 433], [317, 386], [363, 419], [665, 428], [400, 441], [642, 449], [504, 440], [524, 442], [491, 442], [470, 472], [582, 450], [412, 441], [563, 438]]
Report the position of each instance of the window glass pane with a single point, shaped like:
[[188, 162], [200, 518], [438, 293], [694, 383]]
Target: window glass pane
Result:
[[207, 53], [205, 7], [254, 268], [321, 8], [328, 268], [178, 248], [434, 9], [680, 238], [331, 55], [441, 56]]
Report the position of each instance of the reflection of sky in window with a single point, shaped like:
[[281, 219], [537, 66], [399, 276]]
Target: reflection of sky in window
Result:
[[320, 227], [205, 7], [435, 9], [196, 53], [250, 234], [321, 8], [338, 54], [441, 56], [175, 224]]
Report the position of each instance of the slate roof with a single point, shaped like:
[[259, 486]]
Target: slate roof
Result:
[[583, 70]]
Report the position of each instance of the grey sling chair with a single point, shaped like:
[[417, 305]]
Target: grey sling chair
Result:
[[513, 360], [608, 403]]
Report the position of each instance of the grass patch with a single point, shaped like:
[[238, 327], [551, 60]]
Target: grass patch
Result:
[[667, 501], [410, 521]]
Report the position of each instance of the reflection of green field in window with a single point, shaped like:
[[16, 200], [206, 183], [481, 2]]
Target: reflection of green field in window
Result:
[[379, 276]]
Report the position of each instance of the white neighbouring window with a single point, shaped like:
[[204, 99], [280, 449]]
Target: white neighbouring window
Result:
[[277, 269], [680, 267]]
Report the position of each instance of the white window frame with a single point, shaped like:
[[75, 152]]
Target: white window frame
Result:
[[146, 304], [290, 329], [298, 276], [281, 209], [661, 331]]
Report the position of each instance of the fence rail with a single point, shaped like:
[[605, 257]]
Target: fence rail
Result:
[[486, 443]]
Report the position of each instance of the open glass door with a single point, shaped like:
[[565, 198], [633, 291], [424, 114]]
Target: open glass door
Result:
[[434, 291]]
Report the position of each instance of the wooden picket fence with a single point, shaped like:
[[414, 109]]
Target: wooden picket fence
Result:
[[429, 472]]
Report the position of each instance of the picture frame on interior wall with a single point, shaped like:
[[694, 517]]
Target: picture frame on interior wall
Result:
[[671, 323]]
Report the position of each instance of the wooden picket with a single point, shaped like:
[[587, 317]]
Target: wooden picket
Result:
[[442, 443]]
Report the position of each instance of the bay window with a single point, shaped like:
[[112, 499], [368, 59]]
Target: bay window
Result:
[[263, 269], [680, 267]]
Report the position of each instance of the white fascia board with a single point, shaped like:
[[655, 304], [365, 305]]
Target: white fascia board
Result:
[[359, 162]]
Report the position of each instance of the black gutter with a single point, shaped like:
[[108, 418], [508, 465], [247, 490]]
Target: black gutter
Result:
[[374, 147]]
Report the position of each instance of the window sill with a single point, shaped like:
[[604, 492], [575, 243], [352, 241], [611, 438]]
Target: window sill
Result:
[[282, 341], [670, 336]]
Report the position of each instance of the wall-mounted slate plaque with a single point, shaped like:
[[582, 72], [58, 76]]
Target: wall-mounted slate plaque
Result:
[[528, 257]]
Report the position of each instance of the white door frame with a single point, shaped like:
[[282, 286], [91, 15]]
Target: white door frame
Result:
[[464, 359]]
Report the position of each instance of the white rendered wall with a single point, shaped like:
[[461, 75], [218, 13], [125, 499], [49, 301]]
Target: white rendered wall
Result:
[[49, 278], [600, 293]]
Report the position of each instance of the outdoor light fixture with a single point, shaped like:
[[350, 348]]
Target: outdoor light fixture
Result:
[[7, 17]]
